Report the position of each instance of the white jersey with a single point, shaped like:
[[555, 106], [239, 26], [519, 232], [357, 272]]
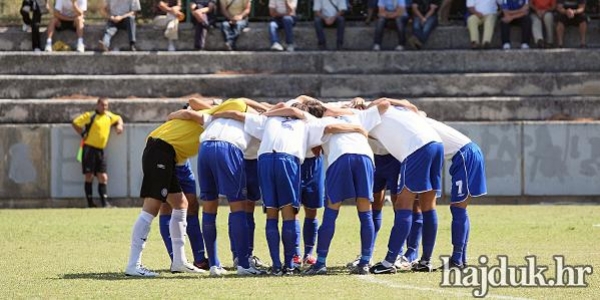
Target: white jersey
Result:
[[377, 147], [289, 103], [403, 132], [227, 130], [252, 149], [336, 145], [453, 140]]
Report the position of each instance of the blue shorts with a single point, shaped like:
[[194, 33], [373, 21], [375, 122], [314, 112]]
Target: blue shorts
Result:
[[387, 174], [221, 171], [350, 177], [279, 177], [468, 173], [186, 178], [312, 190], [422, 170], [252, 187]]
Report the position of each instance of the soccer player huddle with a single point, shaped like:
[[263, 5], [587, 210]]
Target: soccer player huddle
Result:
[[310, 154]]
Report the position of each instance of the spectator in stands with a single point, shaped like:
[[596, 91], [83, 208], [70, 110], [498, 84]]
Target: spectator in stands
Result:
[[120, 15], [167, 16], [515, 12], [571, 13], [542, 12], [330, 13], [203, 16], [283, 15], [391, 11], [32, 17], [236, 14], [483, 12], [68, 14], [425, 19]]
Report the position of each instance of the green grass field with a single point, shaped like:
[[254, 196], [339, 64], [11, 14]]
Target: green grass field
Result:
[[81, 253]]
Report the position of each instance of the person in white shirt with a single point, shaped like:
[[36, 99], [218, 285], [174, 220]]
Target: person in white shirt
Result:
[[483, 12], [68, 14], [283, 15], [120, 14], [330, 13]]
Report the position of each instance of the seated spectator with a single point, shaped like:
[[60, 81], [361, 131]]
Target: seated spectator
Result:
[[542, 12], [167, 16], [483, 12], [121, 15], [32, 17], [515, 12], [571, 13], [391, 11], [330, 13], [203, 16], [68, 14], [283, 15], [425, 19], [236, 14]]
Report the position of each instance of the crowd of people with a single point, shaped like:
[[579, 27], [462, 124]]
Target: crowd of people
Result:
[[303, 154], [542, 22]]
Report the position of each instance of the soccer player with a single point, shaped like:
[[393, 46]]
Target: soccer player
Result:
[[349, 175], [94, 128], [174, 141], [408, 137]]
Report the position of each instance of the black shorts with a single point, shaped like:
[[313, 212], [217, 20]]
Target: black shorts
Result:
[[93, 160], [66, 25], [158, 165], [575, 21]]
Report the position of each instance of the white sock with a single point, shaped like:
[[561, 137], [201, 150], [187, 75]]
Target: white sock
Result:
[[48, 41], [177, 231], [386, 263], [141, 229], [80, 41]]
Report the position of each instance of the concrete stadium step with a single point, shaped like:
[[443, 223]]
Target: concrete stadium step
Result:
[[308, 62], [146, 110], [321, 86], [357, 37]]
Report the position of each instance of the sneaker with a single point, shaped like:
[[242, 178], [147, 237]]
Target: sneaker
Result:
[[229, 46], [506, 46], [276, 47], [103, 46], [452, 265], [309, 260], [540, 43], [376, 47], [423, 266], [203, 264], [524, 46], [379, 268], [316, 270], [474, 45], [399, 48], [48, 48], [291, 271], [108, 204], [275, 271], [26, 28], [403, 264], [37, 50], [360, 270], [256, 262], [290, 48], [132, 48], [249, 271], [139, 271], [297, 261], [353, 263], [217, 271], [186, 267], [171, 47], [80, 48]]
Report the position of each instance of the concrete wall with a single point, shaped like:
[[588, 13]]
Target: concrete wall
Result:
[[524, 159]]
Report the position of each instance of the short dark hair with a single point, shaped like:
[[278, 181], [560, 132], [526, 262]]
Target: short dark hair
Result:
[[301, 106], [315, 108]]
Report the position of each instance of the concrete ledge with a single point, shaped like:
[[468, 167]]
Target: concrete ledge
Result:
[[308, 62], [357, 37]]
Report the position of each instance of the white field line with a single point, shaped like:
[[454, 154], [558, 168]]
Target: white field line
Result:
[[372, 279]]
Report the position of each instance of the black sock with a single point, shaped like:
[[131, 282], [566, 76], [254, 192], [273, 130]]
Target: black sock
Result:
[[88, 194], [102, 193]]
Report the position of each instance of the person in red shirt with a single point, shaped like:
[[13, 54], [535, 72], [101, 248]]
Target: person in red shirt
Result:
[[542, 19]]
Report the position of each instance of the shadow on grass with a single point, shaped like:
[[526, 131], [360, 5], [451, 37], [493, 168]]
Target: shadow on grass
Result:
[[166, 274]]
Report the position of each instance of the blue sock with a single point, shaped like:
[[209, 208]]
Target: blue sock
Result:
[[402, 223], [163, 225], [251, 228], [377, 219], [195, 236], [239, 228], [309, 233], [430, 226], [210, 238], [325, 235], [367, 235], [464, 252], [231, 239], [414, 238], [289, 237], [297, 229], [272, 233], [459, 233]]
